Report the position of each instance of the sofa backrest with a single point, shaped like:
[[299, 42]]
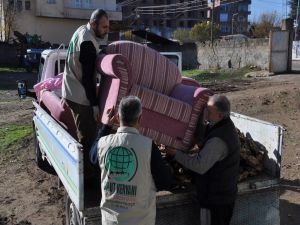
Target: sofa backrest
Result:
[[150, 69]]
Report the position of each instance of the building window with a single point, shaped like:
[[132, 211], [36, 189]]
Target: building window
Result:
[[243, 7], [27, 5], [154, 23], [11, 3], [78, 3], [223, 28], [51, 1], [223, 17], [19, 5], [169, 23], [88, 4], [224, 8], [202, 14], [181, 24]]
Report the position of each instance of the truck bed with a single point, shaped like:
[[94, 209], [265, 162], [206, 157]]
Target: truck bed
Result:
[[258, 199]]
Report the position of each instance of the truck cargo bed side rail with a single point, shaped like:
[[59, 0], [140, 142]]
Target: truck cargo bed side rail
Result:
[[64, 153]]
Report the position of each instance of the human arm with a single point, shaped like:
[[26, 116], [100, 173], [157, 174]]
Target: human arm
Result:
[[213, 151]]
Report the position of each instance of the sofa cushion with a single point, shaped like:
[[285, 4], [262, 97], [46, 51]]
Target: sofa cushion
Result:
[[57, 108], [163, 104], [149, 68]]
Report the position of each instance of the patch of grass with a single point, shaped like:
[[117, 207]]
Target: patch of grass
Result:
[[11, 70], [13, 134], [207, 76]]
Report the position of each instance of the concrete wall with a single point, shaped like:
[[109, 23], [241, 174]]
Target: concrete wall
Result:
[[241, 53]]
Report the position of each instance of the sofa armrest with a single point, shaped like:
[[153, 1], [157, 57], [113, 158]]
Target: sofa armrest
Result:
[[115, 81], [115, 66], [190, 94], [189, 81]]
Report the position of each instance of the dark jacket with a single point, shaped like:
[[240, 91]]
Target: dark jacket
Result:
[[219, 184]]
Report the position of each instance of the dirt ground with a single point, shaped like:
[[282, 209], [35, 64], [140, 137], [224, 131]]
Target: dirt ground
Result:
[[31, 196]]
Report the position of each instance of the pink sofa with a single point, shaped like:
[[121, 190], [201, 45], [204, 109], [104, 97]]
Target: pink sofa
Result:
[[58, 109], [171, 104]]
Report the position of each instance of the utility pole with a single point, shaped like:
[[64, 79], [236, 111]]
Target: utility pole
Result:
[[297, 17], [212, 21], [232, 19]]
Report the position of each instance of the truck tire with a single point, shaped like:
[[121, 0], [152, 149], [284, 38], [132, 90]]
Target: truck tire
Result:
[[40, 162], [71, 212]]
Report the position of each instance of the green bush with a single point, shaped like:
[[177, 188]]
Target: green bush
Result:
[[201, 32]]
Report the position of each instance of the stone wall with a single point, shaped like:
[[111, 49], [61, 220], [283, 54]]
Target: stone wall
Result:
[[234, 53]]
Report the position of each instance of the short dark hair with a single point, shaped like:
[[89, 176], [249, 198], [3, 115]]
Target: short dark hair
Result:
[[97, 15], [222, 104], [130, 109]]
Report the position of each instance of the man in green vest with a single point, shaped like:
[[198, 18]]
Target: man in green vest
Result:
[[79, 79], [132, 170]]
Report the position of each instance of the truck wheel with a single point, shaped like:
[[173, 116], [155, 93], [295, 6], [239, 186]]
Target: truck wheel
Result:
[[72, 214], [40, 162]]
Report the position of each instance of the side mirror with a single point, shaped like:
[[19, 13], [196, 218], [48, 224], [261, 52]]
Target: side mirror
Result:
[[22, 88]]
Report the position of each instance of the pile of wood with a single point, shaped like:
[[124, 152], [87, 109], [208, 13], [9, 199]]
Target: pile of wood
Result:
[[251, 162], [252, 156]]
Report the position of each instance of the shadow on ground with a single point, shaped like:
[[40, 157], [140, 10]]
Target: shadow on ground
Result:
[[289, 198]]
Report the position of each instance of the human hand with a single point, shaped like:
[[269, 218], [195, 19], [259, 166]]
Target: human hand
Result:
[[170, 151], [112, 116]]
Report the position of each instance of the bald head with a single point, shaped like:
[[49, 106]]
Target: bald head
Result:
[[218, 108], [97, 15], [222, 104], [99, 23]]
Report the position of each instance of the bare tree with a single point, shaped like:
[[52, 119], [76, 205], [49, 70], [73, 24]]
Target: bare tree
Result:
[[9, 13], [265, 23]]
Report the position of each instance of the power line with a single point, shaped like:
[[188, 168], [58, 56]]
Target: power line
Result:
[[167, 10], [172, 5], [128, 2]]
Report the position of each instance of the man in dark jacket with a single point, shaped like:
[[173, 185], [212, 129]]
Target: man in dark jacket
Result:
[[216, 165]]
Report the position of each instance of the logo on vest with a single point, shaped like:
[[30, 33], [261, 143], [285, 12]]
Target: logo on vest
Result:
[[121, 164]]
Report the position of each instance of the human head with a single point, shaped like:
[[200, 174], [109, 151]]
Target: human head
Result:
[[99, 23], [130, 111], [218, 108]]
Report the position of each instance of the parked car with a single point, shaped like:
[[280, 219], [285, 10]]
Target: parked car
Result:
[[32, 59]]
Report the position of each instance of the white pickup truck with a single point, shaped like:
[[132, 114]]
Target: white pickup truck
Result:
[[258, 199]]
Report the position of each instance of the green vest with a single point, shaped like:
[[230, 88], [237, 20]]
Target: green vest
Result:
[[72, 88], [128, 189]]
